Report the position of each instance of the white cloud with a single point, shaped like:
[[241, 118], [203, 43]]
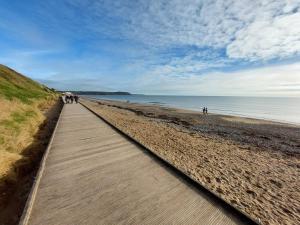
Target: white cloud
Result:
[[118, 40], [281, 80], [265, 39], [248, 29], [193, 63]]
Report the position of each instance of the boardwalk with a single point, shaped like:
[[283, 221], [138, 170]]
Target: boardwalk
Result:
[[93, 175]]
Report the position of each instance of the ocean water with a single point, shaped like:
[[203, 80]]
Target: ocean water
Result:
[[270, 108]]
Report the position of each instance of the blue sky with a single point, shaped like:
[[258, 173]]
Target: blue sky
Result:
[[188, 47]]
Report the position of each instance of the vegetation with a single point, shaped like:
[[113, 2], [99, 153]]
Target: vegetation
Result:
[[16, 86], [22, 103]]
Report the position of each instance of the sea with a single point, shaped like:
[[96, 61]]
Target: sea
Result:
[[285, 109]]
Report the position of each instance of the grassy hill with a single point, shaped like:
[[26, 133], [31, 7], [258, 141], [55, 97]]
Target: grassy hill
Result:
[[24, 105], [14, 85], [28, 111]]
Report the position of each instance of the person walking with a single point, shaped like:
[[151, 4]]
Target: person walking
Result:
[[206, 110], [76, 97], [63, 98], [67, 99]]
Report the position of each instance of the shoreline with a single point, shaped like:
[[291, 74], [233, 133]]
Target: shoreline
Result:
[[160, 104], [252, 164]]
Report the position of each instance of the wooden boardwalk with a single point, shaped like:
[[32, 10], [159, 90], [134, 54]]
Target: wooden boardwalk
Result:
[[94, 175]]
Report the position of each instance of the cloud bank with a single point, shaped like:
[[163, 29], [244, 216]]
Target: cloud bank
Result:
[[280, 80], [247, 29], [215, 47]]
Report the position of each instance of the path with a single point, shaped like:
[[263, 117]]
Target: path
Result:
[[94, 175]]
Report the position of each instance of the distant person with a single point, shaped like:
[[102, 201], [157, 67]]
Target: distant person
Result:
[[76, 97], [72, 99], [63, 98], [67, 99], [206, 110], [203, 110]]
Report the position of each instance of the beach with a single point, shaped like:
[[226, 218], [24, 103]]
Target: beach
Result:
[[252, 164]]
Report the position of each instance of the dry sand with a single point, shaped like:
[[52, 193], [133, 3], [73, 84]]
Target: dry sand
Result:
[[254, 164]]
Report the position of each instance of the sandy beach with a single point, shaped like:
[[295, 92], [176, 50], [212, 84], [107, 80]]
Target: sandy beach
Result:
[[253, 164]]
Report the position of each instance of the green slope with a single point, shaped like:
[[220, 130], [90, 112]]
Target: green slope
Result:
[[14, 85], [23, 107], [26, 108]]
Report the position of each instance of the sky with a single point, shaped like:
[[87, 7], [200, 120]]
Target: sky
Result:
[[169, 47]]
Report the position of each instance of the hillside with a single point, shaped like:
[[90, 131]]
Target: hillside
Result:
[[14, 85], [25, 105]]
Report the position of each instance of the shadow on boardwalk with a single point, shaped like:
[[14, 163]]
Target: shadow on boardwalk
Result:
[[94, 175]]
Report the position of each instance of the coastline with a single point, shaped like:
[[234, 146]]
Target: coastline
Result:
[[211, 111], [250, 170]]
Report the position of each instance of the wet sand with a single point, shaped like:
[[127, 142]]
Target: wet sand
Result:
[[253, 164]]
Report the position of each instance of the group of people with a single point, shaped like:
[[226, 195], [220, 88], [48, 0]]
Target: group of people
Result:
[[69, 98], [204, 110]]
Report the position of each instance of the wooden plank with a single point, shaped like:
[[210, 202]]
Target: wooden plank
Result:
[[93, 175]]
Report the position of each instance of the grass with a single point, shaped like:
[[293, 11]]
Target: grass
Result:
[[16, 86], [17, 119], [25, 125], [22, 102]]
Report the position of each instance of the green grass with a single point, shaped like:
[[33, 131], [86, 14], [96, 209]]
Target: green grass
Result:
[[26, 93], [23, 103], [16, 86], [17, 119]]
